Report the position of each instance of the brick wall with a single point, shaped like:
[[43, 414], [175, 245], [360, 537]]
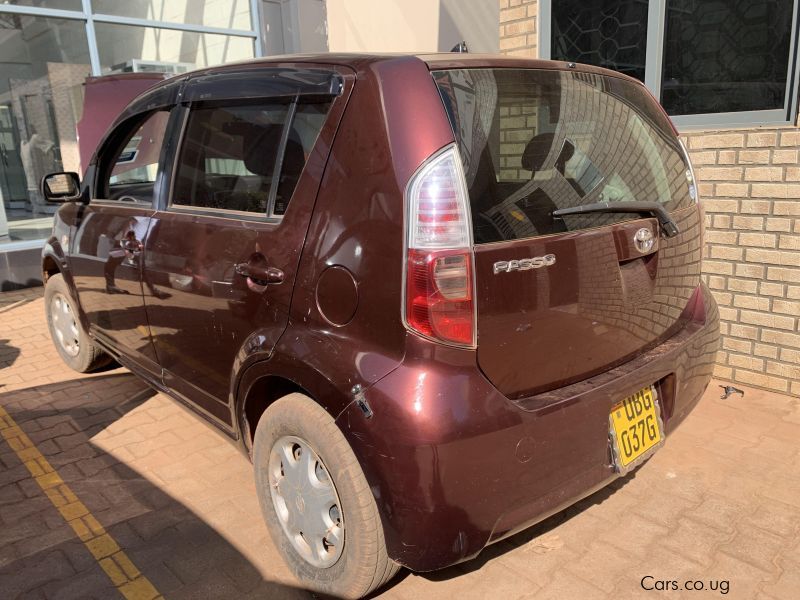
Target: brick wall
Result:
[[519, 34], [750, 188]]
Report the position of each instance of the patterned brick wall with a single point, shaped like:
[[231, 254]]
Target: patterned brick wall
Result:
[[750, 188], [519, 33]]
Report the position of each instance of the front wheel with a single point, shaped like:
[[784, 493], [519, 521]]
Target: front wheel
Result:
[[70, 339], [315, 499]]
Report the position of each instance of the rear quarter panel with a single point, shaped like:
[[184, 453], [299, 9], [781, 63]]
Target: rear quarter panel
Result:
[[393, 122]]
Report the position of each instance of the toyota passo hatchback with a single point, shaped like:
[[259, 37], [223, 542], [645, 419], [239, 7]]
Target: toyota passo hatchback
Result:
[[435, 299]]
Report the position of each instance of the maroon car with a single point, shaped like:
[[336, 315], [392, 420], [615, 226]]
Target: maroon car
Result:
[[434, 298]]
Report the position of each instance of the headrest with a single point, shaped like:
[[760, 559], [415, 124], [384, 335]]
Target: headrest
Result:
[[538, 149], [260, 147]]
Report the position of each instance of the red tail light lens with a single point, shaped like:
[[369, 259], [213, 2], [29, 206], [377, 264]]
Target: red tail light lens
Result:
[[439, 264], [439, 295]]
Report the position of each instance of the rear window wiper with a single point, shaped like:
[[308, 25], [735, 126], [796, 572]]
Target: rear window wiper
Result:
[[668, 227]]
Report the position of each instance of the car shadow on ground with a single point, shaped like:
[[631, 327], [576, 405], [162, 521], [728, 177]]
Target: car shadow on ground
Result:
[[40, 555], [8, 354], [9, 301], [181, 554]]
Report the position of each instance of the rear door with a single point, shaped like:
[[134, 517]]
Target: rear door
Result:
[[562, 299], [222, 253], [106, 246]]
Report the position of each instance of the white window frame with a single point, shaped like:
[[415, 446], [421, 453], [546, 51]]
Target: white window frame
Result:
[[656, 26], [90, 18]]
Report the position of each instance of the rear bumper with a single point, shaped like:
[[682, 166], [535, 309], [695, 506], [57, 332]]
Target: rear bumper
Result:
[[454, 465]]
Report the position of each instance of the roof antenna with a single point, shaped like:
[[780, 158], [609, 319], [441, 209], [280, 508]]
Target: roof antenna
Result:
[[460, 47]]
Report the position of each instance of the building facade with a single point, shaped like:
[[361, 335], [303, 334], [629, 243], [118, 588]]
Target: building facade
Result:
[[727, 73], [47, 50], [49, 47]]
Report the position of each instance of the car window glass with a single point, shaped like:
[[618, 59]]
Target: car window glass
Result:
[[535, 141], [135, 165], [306, 125], [230, 154]]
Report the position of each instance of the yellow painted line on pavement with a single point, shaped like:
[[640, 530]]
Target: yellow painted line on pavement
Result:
[[120, 570]]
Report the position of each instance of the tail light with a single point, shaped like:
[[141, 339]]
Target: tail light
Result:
[[691, 181], [440, 281]]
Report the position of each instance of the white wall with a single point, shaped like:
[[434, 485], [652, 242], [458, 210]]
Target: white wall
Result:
[[412, 25]]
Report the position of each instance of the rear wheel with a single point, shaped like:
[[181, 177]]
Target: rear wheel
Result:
[[69, 337], [316, 501]]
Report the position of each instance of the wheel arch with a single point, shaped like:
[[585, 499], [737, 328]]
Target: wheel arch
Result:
[[259, 396], [49, 267], [53, 259], [54, 262], [267, 381]]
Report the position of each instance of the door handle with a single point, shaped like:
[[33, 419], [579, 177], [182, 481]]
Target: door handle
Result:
[[259, 275]]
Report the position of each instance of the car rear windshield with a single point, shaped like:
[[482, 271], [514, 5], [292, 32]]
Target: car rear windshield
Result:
[[533, 141]]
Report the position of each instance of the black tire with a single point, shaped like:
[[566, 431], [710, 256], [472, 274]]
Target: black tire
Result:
[[88, 357], [364, 564]]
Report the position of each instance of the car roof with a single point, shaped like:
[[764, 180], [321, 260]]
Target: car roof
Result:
[[434, 61], [454, 60], [361, 62]]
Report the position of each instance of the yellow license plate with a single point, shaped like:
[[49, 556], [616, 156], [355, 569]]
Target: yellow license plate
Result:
[[635, 425]]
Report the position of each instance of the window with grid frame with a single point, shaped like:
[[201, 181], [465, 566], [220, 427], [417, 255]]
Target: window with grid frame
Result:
[[709, 62]]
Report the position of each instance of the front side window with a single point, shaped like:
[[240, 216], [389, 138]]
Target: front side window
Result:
[[128, 172], [245, 157], [535, 141]]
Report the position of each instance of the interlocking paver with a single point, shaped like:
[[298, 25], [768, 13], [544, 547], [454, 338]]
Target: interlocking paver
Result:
[[601, 564], [776, 517], [720, 501], [745, 579], [755, 546], [788, 583], [26, 574]]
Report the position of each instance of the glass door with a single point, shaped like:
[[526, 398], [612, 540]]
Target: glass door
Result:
[[12, 175]]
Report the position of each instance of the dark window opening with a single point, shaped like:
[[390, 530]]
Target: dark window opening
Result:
[[725, 56], [605, 33], [718, 56], [230, 155]]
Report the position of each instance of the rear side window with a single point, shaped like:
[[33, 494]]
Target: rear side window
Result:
[[245, 157], [534, 141]]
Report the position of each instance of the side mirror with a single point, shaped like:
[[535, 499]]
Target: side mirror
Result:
[[61, 187]]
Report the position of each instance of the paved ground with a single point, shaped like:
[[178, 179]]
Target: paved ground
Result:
[[124, 492]]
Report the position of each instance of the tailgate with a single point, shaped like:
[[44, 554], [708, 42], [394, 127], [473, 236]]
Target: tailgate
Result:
[[562, 298], [600, 304]]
